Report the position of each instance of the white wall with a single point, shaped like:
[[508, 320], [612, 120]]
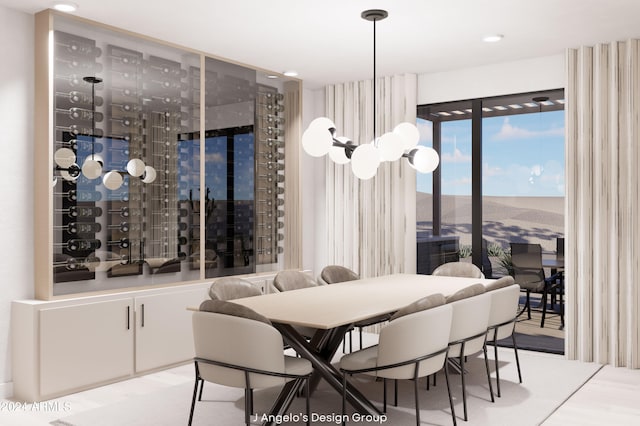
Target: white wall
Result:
[[16, 178], [492, 80]]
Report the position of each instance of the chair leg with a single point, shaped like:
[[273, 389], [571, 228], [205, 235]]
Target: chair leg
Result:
[[193, 400], [415, 390], [248, 394], [201, 387], [360, 337], [562, 307], [544, 307], [464, 389], [344, 398], [384, 395], [307, 392], [528, 304], [486, 364], [395, 398], [515, 349], [495, 356], [446, 377]]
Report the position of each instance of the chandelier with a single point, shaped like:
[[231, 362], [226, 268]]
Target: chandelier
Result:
[[320, 138], [92, 167]]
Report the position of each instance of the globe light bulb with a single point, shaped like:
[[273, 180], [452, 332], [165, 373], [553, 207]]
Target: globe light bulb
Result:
[[92, 167], [409, 133], [318, 138], [365, 160], [424, 159], [149, 174], [112, 180], [391, 146], [64, 157], [317, 141], [135, 167]]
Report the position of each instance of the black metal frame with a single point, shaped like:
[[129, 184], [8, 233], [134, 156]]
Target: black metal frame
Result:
[[493, 341], [248, 391], [550, 288], [416, 370], [319, 351], [473, 109], [460, 367]]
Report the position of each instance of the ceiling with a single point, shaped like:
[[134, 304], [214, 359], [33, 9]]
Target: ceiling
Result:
[[327, 41]]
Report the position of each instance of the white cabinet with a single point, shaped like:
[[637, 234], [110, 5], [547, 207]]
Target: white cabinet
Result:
[[60, 347], [84, 344], [64, 346], [164, 334]]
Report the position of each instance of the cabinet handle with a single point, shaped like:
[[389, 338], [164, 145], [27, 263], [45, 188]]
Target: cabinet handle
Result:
[[128, 317], [142, 322]]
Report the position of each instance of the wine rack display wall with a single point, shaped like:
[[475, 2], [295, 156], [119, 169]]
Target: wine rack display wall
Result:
[[119, 102], [270, 180]]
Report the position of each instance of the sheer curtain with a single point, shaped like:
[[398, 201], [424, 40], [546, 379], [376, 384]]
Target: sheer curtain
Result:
[[602, 225], [371, 224]]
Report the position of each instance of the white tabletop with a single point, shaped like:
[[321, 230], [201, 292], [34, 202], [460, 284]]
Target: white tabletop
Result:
[[329, 306]]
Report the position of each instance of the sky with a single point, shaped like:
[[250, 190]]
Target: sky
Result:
[[216, 169], [523, 155]]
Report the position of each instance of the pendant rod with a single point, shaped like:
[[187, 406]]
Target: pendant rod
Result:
[[374, 81], [374, 15], [93, 119], [93, 81]]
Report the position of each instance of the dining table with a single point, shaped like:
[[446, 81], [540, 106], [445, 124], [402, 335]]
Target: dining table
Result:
[[554, 262], [332, 310]]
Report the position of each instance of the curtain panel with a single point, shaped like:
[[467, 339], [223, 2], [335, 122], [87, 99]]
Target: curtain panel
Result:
[[371, 224], [601, 219]]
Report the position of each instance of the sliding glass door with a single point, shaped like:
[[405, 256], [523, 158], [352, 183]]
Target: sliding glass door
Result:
[[500, 180]]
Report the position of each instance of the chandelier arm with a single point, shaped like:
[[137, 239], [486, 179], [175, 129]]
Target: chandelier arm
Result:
[[349, 146]]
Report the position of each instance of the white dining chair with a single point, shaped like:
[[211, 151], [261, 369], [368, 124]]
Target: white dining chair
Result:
[[400, 355], [471, 307], [502, 319], [226, 336], [229, 288], [458, 269]]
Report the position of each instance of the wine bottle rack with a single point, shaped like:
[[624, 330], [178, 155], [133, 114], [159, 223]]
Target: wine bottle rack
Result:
[[211, 132], [270, 179], [75, 57]]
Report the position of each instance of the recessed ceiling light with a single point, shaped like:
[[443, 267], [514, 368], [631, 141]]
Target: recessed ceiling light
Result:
[[272, 76], [492, 38], [291, 73], [65, 6]]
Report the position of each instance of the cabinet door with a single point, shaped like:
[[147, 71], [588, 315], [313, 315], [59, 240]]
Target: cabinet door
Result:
[[84, 345], [164, 333]]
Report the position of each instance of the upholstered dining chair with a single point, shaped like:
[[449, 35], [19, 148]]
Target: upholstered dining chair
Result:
[[528, 272], [471, 307], [292, 280], [229, 288], [334, 274], [226, 336], [400, 355], [502, 318], [458, 269]]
